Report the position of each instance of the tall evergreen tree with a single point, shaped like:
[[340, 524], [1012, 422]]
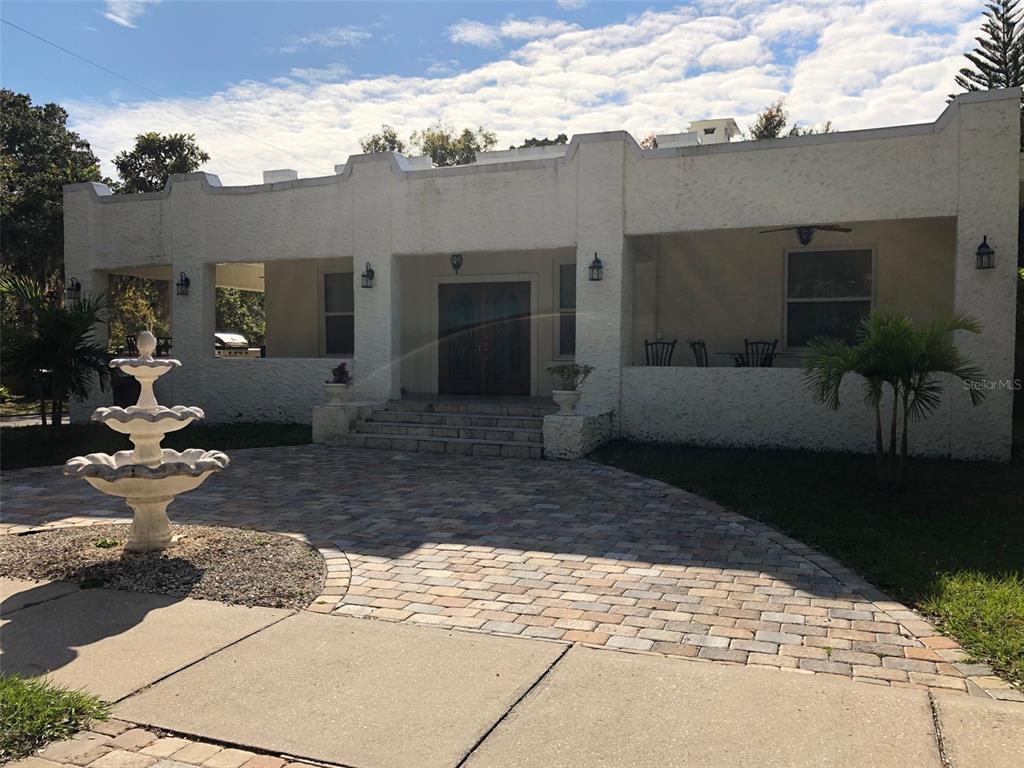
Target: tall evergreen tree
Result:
[[998, 61]]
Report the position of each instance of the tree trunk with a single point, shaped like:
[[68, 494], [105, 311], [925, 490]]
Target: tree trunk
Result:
[[42, 402], [56, 406], [879, 447], [892, 437], [901, 472]]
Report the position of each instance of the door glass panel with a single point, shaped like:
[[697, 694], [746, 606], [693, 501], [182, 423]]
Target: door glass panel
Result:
[[567, 333], [338, 295], [567, 286], [829, 274], [339, 337], [836, 319]]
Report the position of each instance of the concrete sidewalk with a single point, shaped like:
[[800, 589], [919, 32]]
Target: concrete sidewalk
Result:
[[370, 694]]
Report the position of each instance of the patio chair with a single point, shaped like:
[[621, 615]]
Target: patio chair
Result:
[[659, 353], [131, 347], [163, 346], [700, 352], [757, 354]]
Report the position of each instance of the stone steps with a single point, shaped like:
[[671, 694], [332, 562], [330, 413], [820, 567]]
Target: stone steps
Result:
[[449, 445], [418, 430], [472, 407], [465, 428]]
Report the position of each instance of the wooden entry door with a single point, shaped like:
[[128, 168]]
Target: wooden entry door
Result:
[[484, 338]]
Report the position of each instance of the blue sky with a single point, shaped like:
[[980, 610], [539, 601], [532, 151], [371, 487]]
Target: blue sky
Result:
[[295, 84]]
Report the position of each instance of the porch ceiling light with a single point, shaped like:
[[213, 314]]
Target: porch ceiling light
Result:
[[183, 284], [368, 276], [986, 255], [596, 268], [73, 290], [456, 262]]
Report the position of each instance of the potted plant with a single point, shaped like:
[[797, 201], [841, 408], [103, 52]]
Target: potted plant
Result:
[[570, 377], [339, 385]]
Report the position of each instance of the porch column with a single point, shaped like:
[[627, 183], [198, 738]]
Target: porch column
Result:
[[987, 207], [192, 315], [376, 363], [603, 307], [81, 204]]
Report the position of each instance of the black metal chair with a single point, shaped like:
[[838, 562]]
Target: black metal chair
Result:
[[700, 352], [163, 346], [659, 353], [131, 346], [756, 354]]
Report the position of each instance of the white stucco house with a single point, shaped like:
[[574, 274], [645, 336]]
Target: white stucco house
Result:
[[680, 233]]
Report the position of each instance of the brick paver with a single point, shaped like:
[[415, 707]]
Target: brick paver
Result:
[[572, 552]]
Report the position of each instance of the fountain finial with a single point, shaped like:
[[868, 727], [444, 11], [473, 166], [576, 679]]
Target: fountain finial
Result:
[[146, 343]]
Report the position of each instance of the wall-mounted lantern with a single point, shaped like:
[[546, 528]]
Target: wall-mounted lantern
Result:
[[368, 276], [456, 262], [73, 290], [183, 284], [986, 255], [596, 268]]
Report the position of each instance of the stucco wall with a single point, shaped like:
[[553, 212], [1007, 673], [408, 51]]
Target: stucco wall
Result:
[[420, 279], [762, 407], [725, 286]]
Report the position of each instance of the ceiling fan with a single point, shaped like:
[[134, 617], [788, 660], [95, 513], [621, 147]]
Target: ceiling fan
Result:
[[805, 232]]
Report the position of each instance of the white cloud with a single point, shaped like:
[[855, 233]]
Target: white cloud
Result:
[[326, 74], [125, 12], [483, 35], [333, 37], [473, 33], [571, 5], [872, 64]]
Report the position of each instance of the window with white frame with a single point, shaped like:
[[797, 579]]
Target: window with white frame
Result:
[[827, 293], [339, 314], [566, 332]]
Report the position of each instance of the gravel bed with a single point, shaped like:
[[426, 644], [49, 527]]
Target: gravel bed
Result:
[[230, 565]]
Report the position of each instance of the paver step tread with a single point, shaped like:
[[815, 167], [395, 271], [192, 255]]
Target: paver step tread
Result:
[[441, 431], [452, 445]]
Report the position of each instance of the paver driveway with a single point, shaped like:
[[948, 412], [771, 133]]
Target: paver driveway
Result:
[[575, 552]]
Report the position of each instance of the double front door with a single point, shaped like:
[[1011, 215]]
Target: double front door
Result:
[[484, 336]]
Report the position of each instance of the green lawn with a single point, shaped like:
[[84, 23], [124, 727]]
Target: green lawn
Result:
[[31, 446], [952, 544], [33, 712]]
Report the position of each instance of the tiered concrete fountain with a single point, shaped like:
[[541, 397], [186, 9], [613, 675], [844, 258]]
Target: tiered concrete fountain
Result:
[[148, 477]]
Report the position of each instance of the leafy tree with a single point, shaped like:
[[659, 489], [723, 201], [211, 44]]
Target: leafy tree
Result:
[[147, 166], [56, 347], [545, 142], [998, 61], [39, 155], [239, 311], [770, 123], [386, 140], [446, 147], [650, 141], [895, 359], [137, 304]]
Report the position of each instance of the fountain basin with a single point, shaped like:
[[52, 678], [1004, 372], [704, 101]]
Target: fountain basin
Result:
[[147, 489]]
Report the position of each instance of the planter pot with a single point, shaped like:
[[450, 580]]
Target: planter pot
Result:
[[337, 394], [566, 400]]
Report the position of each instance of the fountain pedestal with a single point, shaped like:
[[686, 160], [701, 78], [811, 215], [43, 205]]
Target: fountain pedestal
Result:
[[148, 477]]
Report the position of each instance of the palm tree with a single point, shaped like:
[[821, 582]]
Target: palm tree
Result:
[[55, 345], [896, 360]]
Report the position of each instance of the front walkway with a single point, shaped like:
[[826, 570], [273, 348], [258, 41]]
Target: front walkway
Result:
[[572, 552]]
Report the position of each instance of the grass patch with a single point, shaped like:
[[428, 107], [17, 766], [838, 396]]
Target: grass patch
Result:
[[986, 613], [32, 447], [34, 712], [953, 518]]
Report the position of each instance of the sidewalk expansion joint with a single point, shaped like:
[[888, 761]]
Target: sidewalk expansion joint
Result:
[[940, 744], [204, 658], [507, 712]]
